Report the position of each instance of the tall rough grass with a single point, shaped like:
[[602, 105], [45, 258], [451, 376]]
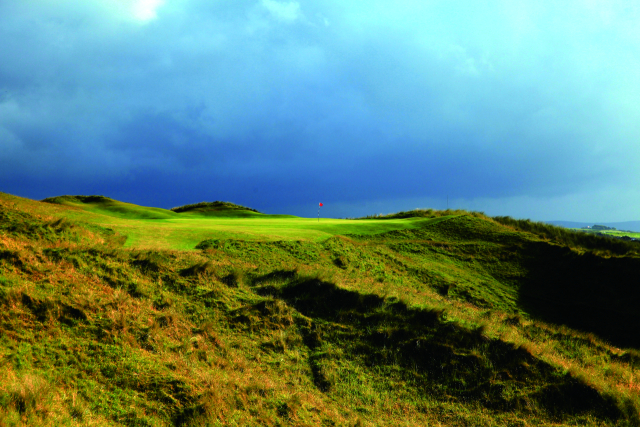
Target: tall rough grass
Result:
[[348, 331]]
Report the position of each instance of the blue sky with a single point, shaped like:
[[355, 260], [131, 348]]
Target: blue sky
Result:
[[521, 108]]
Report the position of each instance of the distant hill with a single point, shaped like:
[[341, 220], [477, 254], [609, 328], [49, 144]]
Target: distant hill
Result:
[[627, 225]]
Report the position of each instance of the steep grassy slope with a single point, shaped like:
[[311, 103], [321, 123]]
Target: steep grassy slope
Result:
[[442, 321]]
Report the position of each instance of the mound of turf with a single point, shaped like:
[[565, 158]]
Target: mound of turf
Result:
[[212, 206], [217, 209]]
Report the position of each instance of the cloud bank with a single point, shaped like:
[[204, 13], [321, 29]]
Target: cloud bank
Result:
[[505, 107]]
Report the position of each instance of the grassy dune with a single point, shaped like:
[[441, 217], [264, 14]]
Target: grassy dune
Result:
[[117, 314]]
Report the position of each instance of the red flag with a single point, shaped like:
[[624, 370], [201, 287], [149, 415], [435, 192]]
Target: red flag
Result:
[[320, 204]]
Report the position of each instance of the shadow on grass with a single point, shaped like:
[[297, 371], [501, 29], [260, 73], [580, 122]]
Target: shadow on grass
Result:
[[583, 291], [437, 357]]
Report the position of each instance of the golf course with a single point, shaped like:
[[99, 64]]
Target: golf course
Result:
[[154, 228], [214, 314]]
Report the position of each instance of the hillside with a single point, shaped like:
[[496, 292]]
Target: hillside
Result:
[[107, 206], [449, 318]]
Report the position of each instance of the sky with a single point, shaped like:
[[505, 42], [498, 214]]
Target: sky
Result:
[[516, 107]]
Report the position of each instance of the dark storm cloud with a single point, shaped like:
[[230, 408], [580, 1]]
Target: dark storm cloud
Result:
[[279, 103]]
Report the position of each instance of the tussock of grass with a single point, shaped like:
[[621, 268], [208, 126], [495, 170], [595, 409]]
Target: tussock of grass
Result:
[[453, 320]]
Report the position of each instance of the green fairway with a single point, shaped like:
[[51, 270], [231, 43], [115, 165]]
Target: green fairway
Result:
[[185, 233], [155, 228]]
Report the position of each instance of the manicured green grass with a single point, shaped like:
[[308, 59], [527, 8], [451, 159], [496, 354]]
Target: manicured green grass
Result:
[[110, 316], [164, 229], [186, 233]]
